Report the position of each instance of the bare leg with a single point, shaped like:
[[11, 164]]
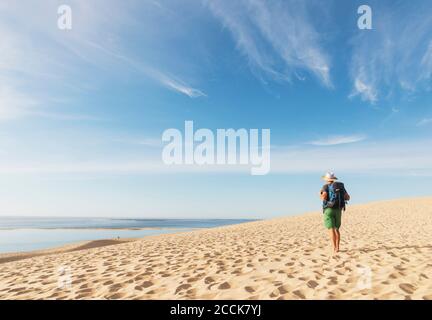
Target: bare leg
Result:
[[337, 242], [333, 238]]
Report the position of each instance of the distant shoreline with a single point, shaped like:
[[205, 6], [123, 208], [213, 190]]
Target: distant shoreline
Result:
[[91, 228], [81, 245], [23, 241]]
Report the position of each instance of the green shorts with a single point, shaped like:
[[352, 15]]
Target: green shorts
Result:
[[332, 218]]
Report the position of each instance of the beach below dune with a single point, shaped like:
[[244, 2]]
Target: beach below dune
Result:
[[385, 254], [84, 245]]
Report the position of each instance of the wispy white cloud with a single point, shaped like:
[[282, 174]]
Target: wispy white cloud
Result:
[[180, 87], [338, 139], [424, 121], [33, 52], [170, 82], [277, 37], [386, 157], [396, 55], [367, 92], [426, 63]]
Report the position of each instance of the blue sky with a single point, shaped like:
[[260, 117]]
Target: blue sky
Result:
[[82, 111]]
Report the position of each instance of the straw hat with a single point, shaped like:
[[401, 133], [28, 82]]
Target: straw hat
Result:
[[329, 176]]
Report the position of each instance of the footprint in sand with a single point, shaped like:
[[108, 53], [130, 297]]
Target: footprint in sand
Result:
[[153, 292], [84, 293], [116, 296], [299, 294], [182, 287], [147, 284], [208, 280], [237, 271], [224, 285], [399, 268], [165, 275], [407, 287], [333, 281], [193, 279], [115, 287], [250, 289], [274, 293], [312, 284], [191, 292], [283, 289], [340, 272], [138, 278], [393, 276]]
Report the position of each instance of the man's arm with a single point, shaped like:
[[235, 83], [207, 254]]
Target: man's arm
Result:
[[323, 195], [346, 195]]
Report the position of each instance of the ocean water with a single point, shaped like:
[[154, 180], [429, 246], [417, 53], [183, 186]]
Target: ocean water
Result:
[[20, 234]]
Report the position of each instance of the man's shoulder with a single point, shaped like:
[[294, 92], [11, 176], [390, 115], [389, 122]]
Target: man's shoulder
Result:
[[340, 185], [336, 184]]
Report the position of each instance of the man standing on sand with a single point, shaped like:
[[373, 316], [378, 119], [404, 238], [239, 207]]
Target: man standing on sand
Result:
[[333, 195]]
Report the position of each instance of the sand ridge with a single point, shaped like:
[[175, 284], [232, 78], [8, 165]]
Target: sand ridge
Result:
[[385, 254], [83, 245]]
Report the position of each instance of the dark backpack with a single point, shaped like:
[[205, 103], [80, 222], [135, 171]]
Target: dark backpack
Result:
[[335, 196]]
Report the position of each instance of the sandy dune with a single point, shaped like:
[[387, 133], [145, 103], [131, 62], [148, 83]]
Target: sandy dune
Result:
[[386, 254]]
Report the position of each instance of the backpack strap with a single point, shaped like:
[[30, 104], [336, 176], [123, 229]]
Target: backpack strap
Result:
[[326, 189]]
